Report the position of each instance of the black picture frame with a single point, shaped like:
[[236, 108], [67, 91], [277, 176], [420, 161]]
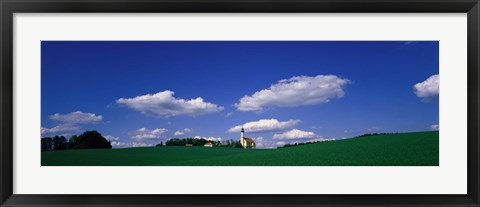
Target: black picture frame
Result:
[[9, 7]]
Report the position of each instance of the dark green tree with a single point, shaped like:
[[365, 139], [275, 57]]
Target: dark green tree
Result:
[[201, 142], [238, 144], [72, 141], [90, 140], [47, 144], [59, 143]]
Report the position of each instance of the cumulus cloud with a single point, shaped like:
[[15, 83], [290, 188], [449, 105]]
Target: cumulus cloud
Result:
[[373, 129], [429, 88], [182, 132], [145, 134], [63, 130], [111, 138], [209, 138], [164, 104], [296, 91], [117, 144], [261, 142], [434, 127], [264, 125], [214, 139], [69, 123], [295, 134], [76, 117]]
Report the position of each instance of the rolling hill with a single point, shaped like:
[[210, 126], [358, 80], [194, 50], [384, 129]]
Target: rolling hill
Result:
[[402, 149]]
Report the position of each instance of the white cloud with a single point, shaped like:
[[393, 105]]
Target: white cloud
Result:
[[141, 144], [69, 123], [144, 133], [434, 127], [295, 134], [182, 132], [209, 138], [264, 125], [117, 144], [111, 138], [373, 129], [296, 91], [260, 142], [163, 104], [76, 117], [63, 130], [320, 139], [229, 114], [429, 88], [214, 139]]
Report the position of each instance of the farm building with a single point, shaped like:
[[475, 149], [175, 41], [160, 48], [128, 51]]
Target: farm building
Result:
[[208, 144]]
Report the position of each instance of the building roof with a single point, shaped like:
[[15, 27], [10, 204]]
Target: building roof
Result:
[[208, 143], [249, 140]]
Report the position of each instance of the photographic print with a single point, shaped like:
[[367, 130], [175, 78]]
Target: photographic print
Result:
[[239, 103]]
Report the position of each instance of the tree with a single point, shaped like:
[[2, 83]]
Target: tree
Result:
[[201, 142], [90, 140], [59, 143], [238, 144], [72, 141], [46, 144], [184, 141]]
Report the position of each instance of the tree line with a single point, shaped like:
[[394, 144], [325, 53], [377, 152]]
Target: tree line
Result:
[[363, 135], [87, 140], [374, 134], [199, 142], [301, 143]]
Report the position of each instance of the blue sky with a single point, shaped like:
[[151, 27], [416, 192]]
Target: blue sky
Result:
[[141, 93]]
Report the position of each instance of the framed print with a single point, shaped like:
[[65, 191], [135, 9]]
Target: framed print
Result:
[[239, 103]]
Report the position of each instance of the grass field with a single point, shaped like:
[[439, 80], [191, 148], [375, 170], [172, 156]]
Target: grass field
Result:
[[404, 149]]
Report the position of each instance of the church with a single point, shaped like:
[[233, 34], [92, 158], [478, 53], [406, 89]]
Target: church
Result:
[[246, 142]]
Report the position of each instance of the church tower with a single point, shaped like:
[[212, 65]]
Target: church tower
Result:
[[242, 133], [241, 138]]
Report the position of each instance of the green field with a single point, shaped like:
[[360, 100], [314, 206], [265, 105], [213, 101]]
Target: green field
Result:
[[403, 149]]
